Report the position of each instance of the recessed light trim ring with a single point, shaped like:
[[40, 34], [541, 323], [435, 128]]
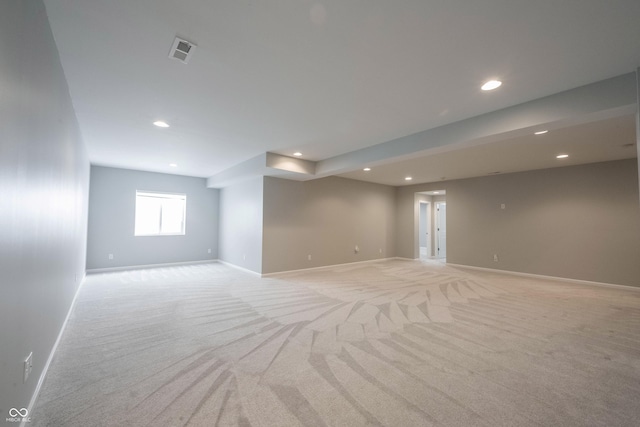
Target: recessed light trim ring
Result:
[[491, 85]]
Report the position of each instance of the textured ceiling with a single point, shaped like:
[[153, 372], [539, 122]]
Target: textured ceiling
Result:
[[324, 78]]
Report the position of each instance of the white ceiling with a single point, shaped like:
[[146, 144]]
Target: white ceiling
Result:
[[324, 78], [598, 141]]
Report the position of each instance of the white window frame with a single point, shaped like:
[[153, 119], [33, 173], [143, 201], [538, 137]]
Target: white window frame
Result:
[[161, 195]]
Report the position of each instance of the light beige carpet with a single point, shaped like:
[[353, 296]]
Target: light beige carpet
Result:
[[393, 343]]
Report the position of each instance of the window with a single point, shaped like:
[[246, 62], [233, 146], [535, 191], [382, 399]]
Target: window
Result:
[[160, 214]]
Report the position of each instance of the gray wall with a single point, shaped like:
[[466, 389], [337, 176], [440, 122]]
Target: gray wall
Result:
[[44, 177], [326, 218], [580, 222], [112, 204], [241, 224], [638, 119]]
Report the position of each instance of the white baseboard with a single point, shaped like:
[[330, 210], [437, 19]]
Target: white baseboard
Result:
[[326, 267], [237, 267], [140, 267], [43, 375], [540, 276]]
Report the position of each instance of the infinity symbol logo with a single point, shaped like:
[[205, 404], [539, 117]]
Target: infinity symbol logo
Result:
[[13, 412]]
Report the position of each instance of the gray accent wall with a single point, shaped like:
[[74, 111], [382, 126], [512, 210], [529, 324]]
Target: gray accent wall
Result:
[[326, 218], [638, 119], [579, 222], [241, 224], [112, 220], [44, 182]]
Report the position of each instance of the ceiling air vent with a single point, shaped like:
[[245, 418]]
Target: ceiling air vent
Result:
[[182, 50]]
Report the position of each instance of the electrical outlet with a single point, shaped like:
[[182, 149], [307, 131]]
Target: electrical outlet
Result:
[[209, 250], [380, 250], [28, 366], [244, 257], [495, 257], [356, 249], [309, 257], [110, 256]]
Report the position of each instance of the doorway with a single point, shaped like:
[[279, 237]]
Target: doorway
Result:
[[431, 225], [441, 229], [424, 228]]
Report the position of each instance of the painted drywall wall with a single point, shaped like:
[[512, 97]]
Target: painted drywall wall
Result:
[[326, 218], [44, 179], [112, 203], [240, 240], [638, 119], [579, 222]]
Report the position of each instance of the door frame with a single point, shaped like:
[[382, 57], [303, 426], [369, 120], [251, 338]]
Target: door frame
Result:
[[437, 227], [428, 227]]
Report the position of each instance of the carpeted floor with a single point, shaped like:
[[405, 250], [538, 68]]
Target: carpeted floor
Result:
[[393, 343]]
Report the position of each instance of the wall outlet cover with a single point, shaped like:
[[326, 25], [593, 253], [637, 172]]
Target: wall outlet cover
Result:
[[28, 366]]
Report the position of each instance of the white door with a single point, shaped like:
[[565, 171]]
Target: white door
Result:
[[424, 238], [441, 229]]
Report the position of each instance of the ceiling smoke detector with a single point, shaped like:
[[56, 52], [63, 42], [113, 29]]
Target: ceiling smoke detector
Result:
[[182, 50]]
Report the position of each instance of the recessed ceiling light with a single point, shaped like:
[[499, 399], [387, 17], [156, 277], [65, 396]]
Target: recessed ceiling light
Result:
[[562, 156], [161, 124], [297, 154], [491, 85], [173, 165], [408, 178], [540, 132], [436, 192], [366, 169]]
